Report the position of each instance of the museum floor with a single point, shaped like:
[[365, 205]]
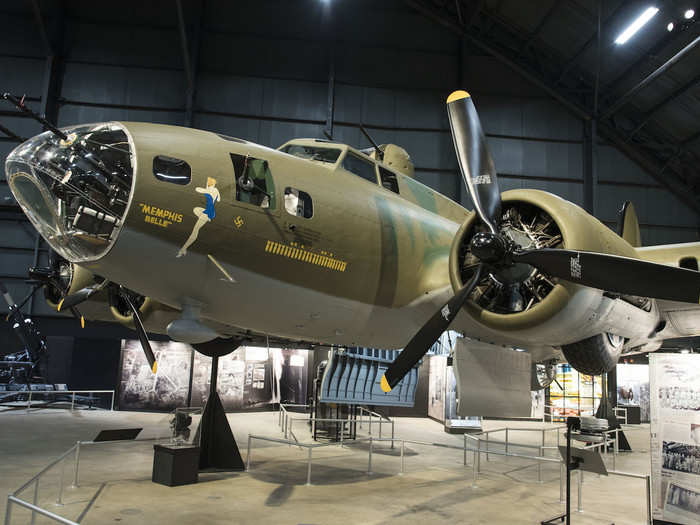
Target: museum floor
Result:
[[115, 479]]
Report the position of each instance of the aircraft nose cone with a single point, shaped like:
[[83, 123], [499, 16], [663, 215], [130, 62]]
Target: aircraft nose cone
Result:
[[75, 191]]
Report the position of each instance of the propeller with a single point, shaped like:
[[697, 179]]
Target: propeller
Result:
[[125, 295], [50, 277], [496, 252]]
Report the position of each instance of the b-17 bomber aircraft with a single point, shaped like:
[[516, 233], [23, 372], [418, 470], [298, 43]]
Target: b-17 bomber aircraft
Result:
[[216, 240]]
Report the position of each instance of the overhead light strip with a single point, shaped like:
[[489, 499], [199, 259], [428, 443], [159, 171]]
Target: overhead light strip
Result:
[[635, 26]]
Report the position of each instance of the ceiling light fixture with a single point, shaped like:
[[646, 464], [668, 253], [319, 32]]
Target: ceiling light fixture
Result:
[[690, 13], [670, 26], [635, 26]]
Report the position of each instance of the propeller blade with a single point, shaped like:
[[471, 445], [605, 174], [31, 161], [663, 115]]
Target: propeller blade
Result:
[[141, 333], [80, 296], [616, 274], [427, 335], [474, 158], [76, 313]]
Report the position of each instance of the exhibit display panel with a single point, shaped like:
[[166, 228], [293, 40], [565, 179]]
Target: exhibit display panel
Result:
[[675, 437], [578, 395], [633, 388], [249, 378]]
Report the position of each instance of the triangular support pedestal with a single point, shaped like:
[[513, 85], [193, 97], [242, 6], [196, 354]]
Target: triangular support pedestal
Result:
[[218, 448]]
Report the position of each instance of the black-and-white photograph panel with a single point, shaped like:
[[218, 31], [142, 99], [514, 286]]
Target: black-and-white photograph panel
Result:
[[682, 504], [167, 389], [253, 377], [681, 457]]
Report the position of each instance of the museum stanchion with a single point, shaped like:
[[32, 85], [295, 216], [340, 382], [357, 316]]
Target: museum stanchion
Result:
[[218, 448]]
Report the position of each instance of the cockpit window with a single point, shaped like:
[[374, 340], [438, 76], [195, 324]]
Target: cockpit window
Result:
[[329, 155], [360, 167], [172, 170]]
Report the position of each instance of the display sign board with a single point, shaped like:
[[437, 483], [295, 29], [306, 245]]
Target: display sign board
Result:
[[492, 381], [675, 437], [633, 388]]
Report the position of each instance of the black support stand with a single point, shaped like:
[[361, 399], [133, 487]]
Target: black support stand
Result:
[[218, 448], [571, 424]]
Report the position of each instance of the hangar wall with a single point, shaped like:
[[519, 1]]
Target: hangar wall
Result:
[[260, 77]]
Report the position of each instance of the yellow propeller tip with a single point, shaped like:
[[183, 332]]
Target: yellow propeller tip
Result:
[[82, 322], [457, 95], [385, 385], [154, 368], [60, 303]]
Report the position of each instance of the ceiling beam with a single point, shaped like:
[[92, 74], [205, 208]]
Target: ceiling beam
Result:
[[615, 106], [685, 88], [42, 28], [185, 46], [578, 54], [540, 26]]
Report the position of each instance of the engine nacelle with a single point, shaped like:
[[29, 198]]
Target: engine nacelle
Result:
[[521, 300]]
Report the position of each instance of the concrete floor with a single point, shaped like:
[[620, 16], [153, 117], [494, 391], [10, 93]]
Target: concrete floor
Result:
[[115, 479]]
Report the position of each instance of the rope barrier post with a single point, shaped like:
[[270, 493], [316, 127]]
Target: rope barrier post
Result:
[[561, 482], [649, 516], [369, 457], [112, 405], [36, 499], [478, 455], [539, 463], [392, 433], [342, 431], [506, 443], [8, 511], [403, 466], [465, 449], [72, 401], [29, 405], [380, 428], [77, 464], [308, 470], [487, 446], [580, 490], [475, 467], [59, 499], [247, 456]]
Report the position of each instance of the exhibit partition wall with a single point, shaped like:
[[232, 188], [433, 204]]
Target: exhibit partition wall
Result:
[[578, 395], [675, 437], [250, 378]]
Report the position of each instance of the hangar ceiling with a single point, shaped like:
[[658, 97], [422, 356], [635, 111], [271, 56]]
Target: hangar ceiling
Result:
[[643, 95]]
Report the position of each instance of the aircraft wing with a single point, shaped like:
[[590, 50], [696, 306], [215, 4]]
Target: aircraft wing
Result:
[[684, 318]]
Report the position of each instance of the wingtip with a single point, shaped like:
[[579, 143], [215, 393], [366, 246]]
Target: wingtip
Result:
[[154, 368], [82, 322], [60, 304], [457, 95], [385, 384]]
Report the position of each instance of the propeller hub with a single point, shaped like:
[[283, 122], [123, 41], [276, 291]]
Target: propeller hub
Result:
[[489, 247]]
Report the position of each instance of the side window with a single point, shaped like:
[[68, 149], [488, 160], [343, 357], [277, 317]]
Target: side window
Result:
[[254, 183], [388, 180], [361, 167], [298, 203], [171, 170]]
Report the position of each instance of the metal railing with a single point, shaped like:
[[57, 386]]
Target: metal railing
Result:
[[30, 393], [286, 422], [623, 411], [508, 430], [15, 499]]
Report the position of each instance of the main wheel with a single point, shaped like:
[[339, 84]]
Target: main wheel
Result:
[[595, 355]]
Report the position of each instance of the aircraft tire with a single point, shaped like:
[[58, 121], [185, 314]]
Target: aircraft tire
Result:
[[595, 355]]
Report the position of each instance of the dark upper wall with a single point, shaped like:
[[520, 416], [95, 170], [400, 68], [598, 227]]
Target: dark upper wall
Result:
[[262, 74]]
